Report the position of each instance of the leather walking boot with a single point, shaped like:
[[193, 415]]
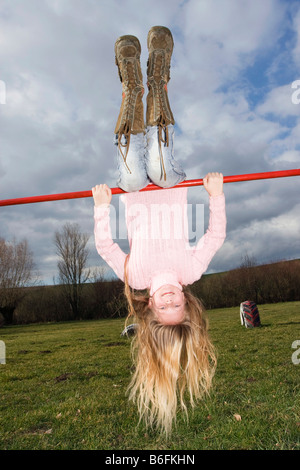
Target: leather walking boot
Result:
[[131, 116], [160, 45]]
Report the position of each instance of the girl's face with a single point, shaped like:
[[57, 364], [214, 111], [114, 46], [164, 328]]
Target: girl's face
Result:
[[168, 303]]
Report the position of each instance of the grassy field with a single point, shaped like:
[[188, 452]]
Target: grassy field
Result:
[[64, 387]]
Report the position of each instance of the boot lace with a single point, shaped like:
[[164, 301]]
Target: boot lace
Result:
[[158, 81], [131, 88]]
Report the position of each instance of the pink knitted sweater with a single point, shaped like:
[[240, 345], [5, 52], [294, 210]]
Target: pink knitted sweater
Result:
[[160, 252]]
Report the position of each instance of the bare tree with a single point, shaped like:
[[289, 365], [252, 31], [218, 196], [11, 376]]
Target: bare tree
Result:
[[248, 261], [16, 273], [250, 278], [72, 266]]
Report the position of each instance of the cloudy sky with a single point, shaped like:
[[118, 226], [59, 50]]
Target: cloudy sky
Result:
[[233, 67]]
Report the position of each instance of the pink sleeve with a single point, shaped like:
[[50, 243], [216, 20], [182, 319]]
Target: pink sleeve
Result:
[[107, 249], [213, 239]]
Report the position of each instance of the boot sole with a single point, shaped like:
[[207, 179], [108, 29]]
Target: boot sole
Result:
[[157, 29], [129, 39]]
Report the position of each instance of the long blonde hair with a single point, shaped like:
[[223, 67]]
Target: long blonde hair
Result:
[[171, 361]]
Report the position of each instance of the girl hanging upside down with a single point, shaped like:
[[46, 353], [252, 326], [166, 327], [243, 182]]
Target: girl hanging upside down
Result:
[[172, 350]]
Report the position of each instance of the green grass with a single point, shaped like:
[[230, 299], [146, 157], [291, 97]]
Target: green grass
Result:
[[63, 387]]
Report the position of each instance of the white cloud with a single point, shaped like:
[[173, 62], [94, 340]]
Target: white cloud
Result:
[[237, 27], [296, 26], [287, 159], [279, 102], [259, 237], [222, 37]]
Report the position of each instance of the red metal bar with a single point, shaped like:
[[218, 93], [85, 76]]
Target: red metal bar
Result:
[[150, 187]]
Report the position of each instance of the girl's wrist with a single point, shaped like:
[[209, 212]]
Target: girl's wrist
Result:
[[102, 204]]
